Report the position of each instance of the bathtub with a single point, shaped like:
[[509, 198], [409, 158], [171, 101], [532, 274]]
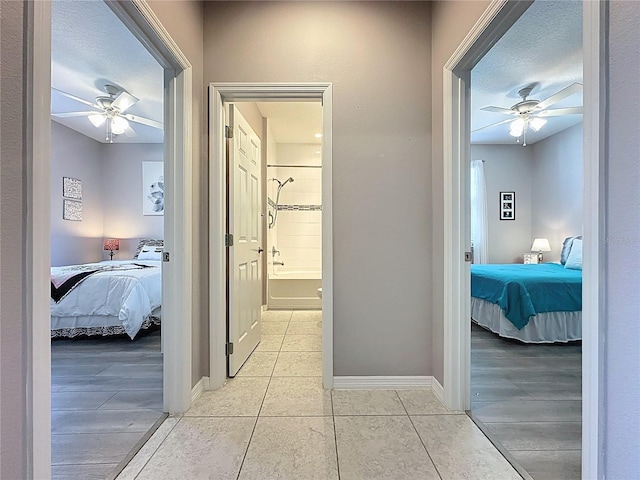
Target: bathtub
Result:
[[294, 290]]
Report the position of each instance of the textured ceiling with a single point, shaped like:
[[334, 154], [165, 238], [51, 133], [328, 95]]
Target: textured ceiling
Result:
[[90, 47], [544, 48]]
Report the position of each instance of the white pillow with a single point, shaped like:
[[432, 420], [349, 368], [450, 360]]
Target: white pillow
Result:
[[150, 254], [574, 260]]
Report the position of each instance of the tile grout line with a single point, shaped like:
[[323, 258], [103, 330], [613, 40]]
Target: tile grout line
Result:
[[157, 448], [418, 434], [335, 434], [244, 457]]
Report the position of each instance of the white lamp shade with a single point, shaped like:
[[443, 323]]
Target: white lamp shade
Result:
[[517, 127], [537, 123], [540, 245], [119, 125], [97, 119]]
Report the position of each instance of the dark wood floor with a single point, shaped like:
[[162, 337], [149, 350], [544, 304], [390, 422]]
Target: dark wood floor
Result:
[[106, 393], [528, 397]]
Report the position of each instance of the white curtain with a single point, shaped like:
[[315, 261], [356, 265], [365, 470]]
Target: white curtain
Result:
[[479, 229]]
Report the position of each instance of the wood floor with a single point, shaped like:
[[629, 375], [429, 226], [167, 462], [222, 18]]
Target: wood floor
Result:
[[106, 393], [528, 397]]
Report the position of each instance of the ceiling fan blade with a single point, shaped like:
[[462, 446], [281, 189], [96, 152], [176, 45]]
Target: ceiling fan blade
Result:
[[123, 101], [77, 99], [561, 95], [556, 112], [493, 125], [506, 111], [74, 114], [144, 121]]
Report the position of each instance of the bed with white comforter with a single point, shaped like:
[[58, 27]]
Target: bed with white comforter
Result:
[[114, 297]]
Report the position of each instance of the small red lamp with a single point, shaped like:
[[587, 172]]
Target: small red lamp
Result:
[[111, 244]]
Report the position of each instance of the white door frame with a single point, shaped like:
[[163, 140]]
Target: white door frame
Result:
[[490, 27], [143, 23], [250, 92]]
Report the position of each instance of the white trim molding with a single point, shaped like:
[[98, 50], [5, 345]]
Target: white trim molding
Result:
[[219, 93], [593, 284], [407, 382], [199, 388]]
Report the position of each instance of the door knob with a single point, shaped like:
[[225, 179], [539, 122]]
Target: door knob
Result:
[[260, 250]]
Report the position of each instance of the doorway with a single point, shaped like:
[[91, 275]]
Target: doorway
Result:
[[219, 95], [499, 17], [141, 20]]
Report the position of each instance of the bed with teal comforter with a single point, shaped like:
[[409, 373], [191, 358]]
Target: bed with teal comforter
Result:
[[522, 291]]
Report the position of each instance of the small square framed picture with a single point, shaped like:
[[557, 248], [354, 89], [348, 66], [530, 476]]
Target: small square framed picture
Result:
[[72, 188], [507, 205]]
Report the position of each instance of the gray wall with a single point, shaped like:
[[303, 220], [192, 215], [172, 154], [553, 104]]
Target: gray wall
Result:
[[622, 237], [508, 168], [122, 195], [111, 177], [184, 22], [381, 144], [74, 155], [557, 188], [14, 364], [450, 22]]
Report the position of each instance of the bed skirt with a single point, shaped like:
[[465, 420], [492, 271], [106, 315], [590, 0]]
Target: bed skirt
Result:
[[110, 325], [549, 327]]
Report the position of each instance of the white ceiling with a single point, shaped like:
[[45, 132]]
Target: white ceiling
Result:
[[293, 122], [90, 47], [544, 48]]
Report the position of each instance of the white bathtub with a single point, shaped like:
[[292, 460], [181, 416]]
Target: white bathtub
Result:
[[294, 290]]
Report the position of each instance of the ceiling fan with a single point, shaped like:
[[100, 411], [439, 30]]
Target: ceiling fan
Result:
[[532, 113], [110, 110]]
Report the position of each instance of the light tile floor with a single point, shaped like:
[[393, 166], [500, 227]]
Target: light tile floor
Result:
[[275, 421]]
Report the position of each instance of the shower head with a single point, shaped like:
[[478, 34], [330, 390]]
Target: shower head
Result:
[[290, 179]]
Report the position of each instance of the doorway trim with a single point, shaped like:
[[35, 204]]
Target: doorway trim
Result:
[[252, 92], [144, 24], [498, 17]]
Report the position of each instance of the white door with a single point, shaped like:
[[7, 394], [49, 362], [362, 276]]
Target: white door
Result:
[[245, 273]]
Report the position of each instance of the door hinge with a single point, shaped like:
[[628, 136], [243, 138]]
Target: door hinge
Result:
[[165, 256], [228, 131], [468, 257], [228, 239], [228, 349]]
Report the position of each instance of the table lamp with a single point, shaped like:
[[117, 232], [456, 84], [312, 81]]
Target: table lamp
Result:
[[540, 245], [111, 244]]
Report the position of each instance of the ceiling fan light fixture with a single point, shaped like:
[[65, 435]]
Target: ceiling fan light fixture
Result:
[[517, 127], [97, 119], [119, 125], [537, 123]]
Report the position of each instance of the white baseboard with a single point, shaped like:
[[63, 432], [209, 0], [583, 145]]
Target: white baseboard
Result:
[[199, 388], [438, 390], [386, 383]]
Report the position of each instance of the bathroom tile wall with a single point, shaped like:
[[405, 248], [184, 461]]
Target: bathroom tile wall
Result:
[[298, 230]]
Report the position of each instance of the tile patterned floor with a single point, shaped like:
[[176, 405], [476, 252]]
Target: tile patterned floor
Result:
[[529, 399], [106, 394], [275, 421]]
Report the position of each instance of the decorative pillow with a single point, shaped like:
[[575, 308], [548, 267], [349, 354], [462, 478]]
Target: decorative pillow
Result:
[[150, 253], [148, 242], [566, 248], [574, 261]]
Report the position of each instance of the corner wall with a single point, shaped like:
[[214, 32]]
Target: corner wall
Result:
[[451, 21], [621, 374], [381, 164], [184, 22], [507, 168]]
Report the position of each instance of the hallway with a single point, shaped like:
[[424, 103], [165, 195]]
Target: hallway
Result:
[[274, 420]]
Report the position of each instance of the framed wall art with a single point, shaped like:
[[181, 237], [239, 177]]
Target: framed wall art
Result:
[[72, 188], [72, 210], [152, 188], [507, 205]]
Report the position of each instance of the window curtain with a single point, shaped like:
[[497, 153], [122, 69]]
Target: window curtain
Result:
[[479, 229]]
